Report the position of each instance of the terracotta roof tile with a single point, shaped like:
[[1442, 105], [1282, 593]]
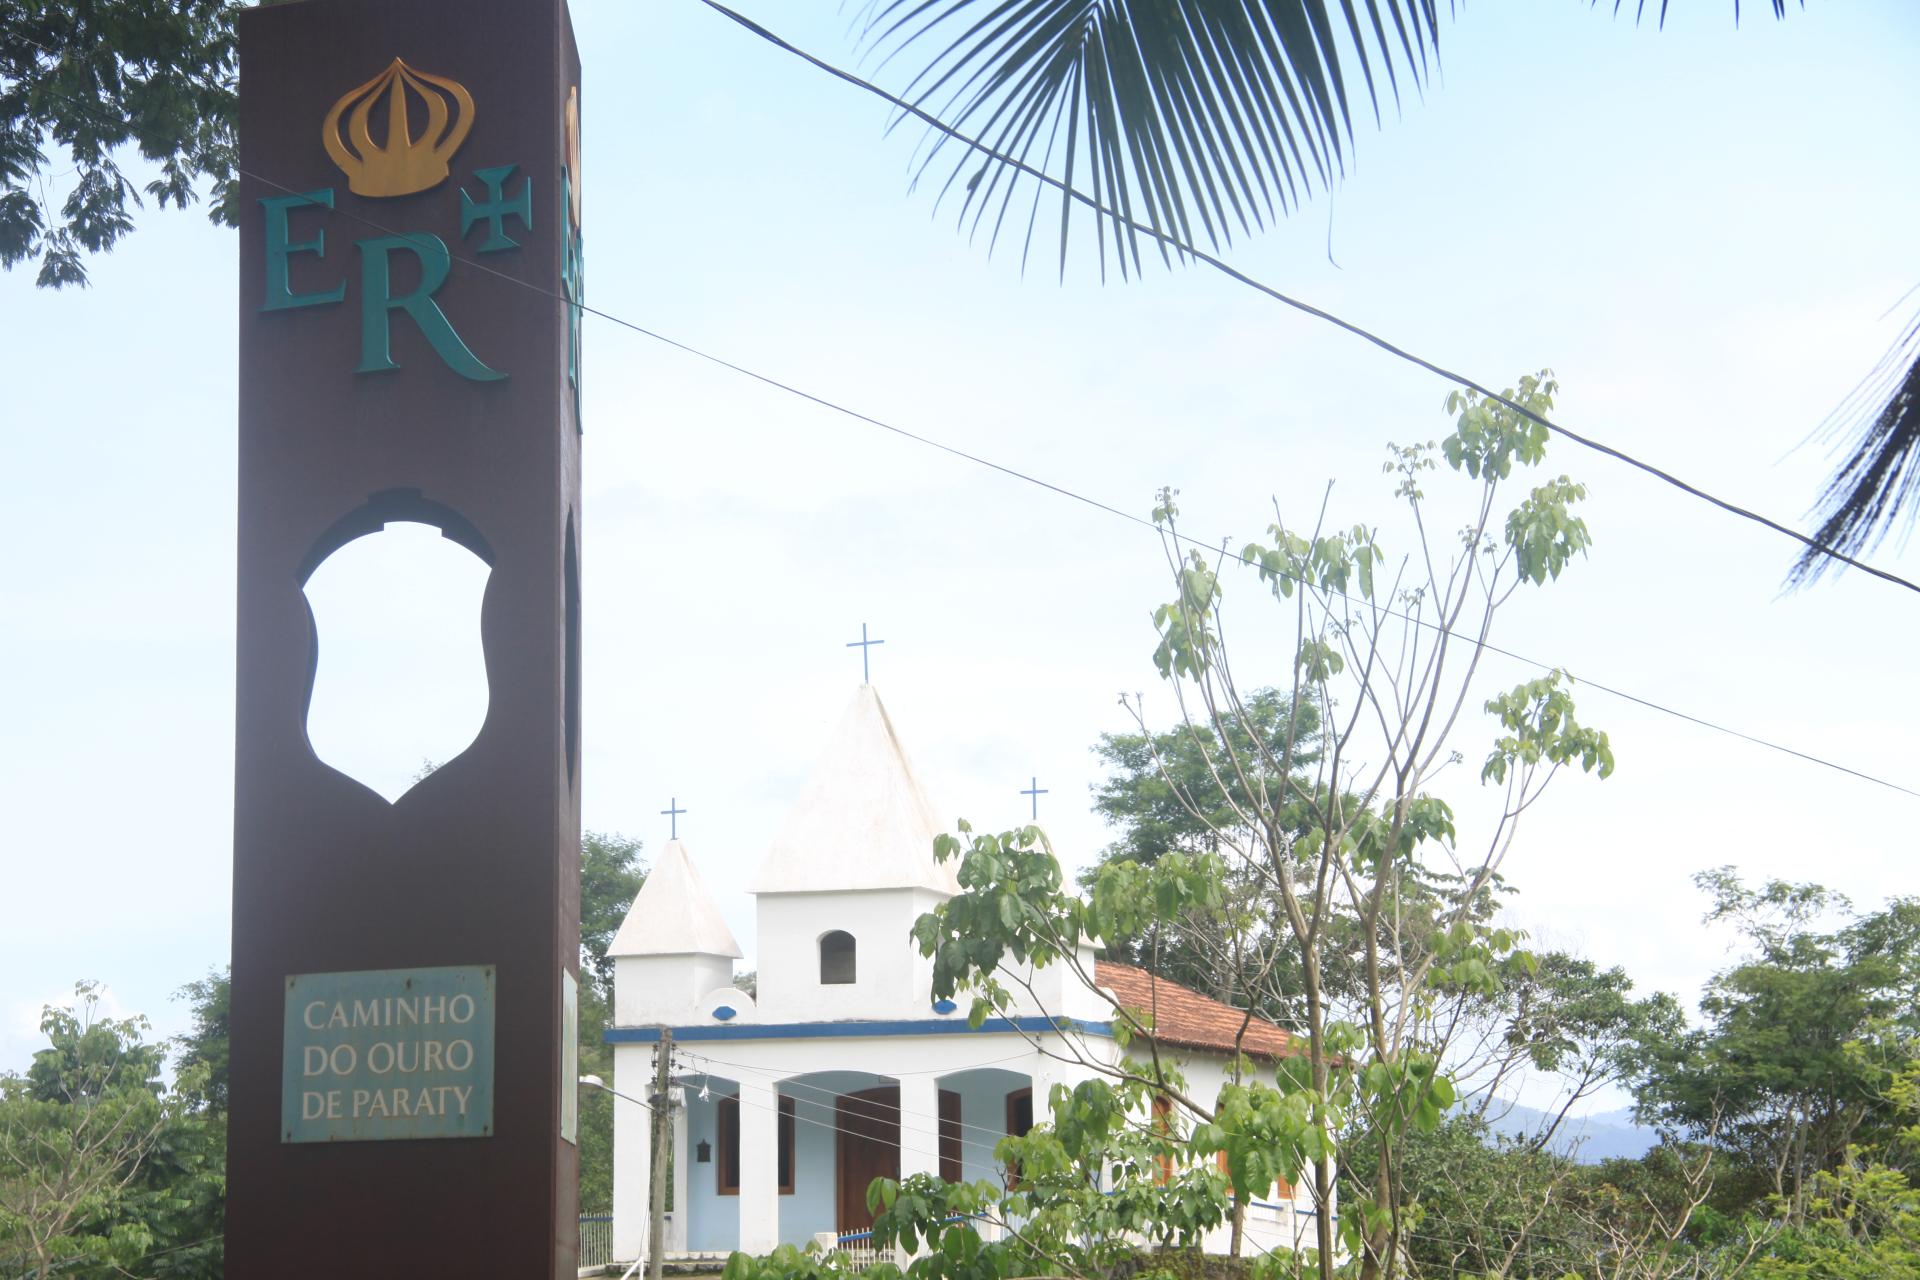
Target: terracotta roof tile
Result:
[[1182, 1016]]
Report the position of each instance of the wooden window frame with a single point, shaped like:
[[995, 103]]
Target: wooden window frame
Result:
[[1014, 1098], [951, 1163], [1163, 1124], [785, 1153], [726, 1146]]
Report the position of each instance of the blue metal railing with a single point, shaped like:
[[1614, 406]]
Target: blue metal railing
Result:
[[596, 1239]]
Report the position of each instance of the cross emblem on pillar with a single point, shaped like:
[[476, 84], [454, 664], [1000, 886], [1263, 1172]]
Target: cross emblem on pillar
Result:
[[865, 646], [1035, 790], [672, 814], [497, 208]]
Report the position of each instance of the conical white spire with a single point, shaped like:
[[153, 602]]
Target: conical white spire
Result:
[[673, 915], [863, 821]]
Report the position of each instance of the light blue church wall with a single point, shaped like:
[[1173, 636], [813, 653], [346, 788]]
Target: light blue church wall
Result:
[[814, 1206], [983, 1117], [713, 1220]]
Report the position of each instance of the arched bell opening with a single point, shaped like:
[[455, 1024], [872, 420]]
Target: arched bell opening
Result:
[[839, 959]]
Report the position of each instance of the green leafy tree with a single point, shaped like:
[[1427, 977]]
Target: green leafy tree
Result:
[[596, 1105], [1568, 1020], [1862, 1218], [610, 875], [75, 1132], [177, 1201], [1357, 872], [1160, 795], [80, 82], [1093, 1184], [151, 1191], [1504, 1208], [1482, 1205], [1656, 1218], [204, 1049], [178, 1197], [1565, 1018], [1862, 1222], [1806, 1040]]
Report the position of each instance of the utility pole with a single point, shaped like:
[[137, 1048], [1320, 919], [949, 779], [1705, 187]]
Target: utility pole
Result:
[[662, 1104]]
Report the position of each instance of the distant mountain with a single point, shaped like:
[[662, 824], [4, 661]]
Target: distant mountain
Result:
[[1605, 1135]]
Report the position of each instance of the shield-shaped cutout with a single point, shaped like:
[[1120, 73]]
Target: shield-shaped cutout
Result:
[[400, 679]]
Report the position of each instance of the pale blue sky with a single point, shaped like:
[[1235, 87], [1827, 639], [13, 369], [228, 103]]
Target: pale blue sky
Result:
[[1698, 229]]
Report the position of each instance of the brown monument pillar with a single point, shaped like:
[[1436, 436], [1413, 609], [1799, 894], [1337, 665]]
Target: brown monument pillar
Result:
[[403, 974]]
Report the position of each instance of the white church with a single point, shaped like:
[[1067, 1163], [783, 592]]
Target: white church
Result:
[[841, 1068]]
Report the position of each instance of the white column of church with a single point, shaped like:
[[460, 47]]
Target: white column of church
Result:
[[919, 1126], [677, 1228], [759, 1167], [1047, 1071], [632, 1151]]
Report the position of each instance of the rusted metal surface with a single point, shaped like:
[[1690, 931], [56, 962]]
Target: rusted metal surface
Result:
[[477, 866]]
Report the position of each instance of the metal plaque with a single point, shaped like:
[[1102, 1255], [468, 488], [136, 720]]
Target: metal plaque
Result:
[[388, 1053], [570, 1055]]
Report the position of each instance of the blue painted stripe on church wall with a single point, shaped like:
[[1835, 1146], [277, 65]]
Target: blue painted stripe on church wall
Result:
[[833, 1030]]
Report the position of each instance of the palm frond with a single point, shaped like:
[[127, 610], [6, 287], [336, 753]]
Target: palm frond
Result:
[[1877, 488], [1640, 9], [1203, 119]]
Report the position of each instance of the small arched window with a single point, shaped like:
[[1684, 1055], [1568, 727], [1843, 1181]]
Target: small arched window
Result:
[[836, 958]]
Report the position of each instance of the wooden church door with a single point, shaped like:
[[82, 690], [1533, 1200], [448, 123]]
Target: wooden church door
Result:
[[867, 1126]]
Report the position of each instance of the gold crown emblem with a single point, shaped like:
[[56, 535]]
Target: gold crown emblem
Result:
[[573, 153], [404, 164]]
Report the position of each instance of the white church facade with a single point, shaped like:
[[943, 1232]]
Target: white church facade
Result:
[[841, 1068]]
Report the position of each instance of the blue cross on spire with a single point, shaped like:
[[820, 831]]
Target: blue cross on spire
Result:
[[1035, 790], [865, 646], [672, 814]]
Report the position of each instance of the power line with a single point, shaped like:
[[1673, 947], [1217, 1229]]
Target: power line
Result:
[[881, 1109], [891, 1074], [898, 1143], [1116, 511], [1188, 250], [1095, 503], [922, 1152], [1523, 1237], [867, 1105], [834, 1125]]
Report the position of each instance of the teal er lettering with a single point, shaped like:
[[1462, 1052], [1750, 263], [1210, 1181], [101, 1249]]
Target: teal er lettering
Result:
[[572, 268], [498, 208], [377, 305], [279, 291]]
